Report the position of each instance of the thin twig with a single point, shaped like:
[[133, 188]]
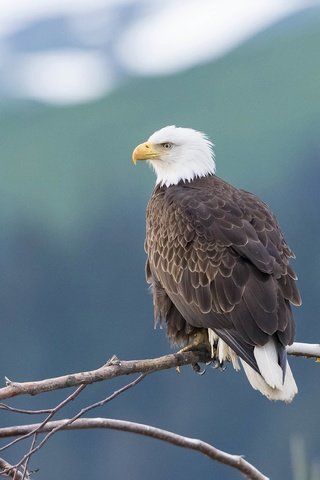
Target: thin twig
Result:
[[115, 394], [51, 414], [7, 408], [25, 474], [235, 461]]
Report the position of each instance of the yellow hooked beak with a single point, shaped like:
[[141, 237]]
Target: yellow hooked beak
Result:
[[145, 151]]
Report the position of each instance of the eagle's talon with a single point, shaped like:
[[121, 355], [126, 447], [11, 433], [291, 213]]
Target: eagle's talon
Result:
[[197, 369], [222, 366], [215, 363]]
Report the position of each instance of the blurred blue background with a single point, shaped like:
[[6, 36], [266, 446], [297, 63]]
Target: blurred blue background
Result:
[[81, 84]]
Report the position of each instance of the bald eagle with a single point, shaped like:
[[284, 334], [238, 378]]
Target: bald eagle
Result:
[[218, 263]]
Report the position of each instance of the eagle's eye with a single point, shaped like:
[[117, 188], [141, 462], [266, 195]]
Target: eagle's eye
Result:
[[167, 145]]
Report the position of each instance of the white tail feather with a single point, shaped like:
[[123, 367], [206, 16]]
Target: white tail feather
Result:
[[269, 383], [267, 361], [285, 393]]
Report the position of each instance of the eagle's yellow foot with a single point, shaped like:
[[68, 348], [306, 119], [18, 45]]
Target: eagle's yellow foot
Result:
[[198, 342]]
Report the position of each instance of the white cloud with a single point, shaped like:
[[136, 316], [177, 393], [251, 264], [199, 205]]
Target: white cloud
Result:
[[182, 33], [70, 76]]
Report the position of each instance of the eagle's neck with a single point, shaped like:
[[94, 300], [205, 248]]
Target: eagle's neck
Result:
[[183, 168]]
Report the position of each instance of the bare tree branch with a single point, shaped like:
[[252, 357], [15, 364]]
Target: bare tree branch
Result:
[[235, 461], [309, 350], [115, 368]]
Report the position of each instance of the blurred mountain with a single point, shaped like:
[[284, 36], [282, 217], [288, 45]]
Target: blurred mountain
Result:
[[72, 262]]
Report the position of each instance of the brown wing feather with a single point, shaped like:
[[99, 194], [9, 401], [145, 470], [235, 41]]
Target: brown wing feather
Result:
[[220, 259]]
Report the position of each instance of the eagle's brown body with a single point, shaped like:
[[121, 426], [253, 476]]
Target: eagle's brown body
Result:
[[217, 259], [217, 263]]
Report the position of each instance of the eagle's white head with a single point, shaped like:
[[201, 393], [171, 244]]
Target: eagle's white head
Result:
[[177, 154]]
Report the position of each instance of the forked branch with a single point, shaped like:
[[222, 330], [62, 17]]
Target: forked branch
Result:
[[113, 368]]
